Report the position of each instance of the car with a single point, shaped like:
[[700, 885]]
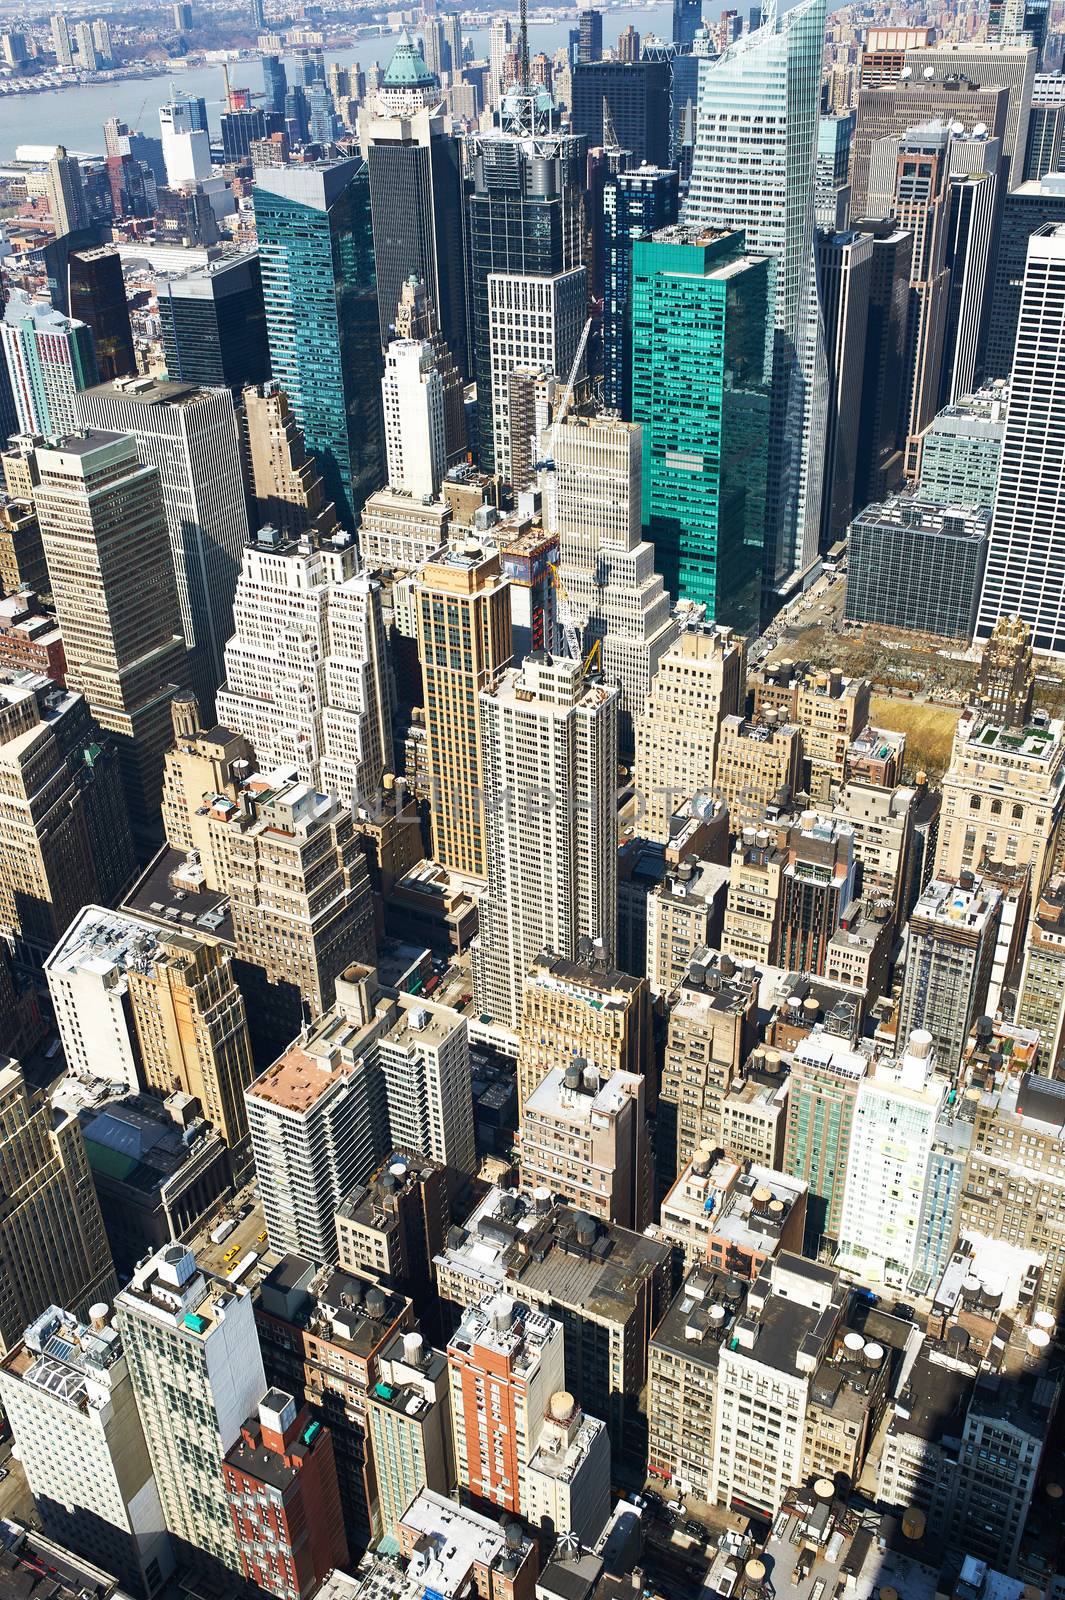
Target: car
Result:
[[638, 1501], [261, 1238], [231, 1255], [4, 1473], [694, 1531]]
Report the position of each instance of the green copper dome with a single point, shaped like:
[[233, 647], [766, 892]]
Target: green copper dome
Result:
[[407, 70]]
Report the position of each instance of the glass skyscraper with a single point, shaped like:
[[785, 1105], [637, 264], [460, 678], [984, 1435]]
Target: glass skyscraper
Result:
[[320, 295], [634, 203], [754, 167], [701, 372]]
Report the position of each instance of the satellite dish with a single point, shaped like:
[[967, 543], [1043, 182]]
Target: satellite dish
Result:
[[980, 131], [929, 73], [907, 72], [957, 129]]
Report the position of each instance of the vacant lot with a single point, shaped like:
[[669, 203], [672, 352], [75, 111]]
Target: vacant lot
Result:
[[928, 729]]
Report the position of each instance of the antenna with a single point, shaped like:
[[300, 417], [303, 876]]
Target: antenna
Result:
[[523, 46], [610, 137]]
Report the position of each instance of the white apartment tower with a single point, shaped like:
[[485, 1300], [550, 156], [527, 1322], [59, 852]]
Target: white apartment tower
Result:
[[567, 1479], [549, 748], [186, 147], [306, 674], [1025, 572], [413, 397], [606, 567], [533, 323], [197, 1373], [425, 1067], [68, 1396]]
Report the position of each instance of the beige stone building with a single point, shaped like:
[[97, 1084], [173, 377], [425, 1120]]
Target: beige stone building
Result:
[[752, 914], [286, 484], [584, 1009], [192, 1030], [464, 643], [22, 561], [584, 1140], [700, 681], [684, 912], [756, 760], [881, 820], [830, 709], [200, 769]]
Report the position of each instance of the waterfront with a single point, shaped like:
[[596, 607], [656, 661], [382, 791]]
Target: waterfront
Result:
[[76, 116]]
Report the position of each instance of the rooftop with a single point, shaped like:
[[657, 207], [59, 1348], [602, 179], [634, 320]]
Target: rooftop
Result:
[[455, 1541]]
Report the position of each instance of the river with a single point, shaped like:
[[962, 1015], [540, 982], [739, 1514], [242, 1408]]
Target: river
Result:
[[75, 116]]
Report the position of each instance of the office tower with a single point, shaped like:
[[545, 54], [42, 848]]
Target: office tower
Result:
[[192, 1031], [453, 44], [634, 203], [49, 358], [892, 1133], [240, 129], [822, 1094], [416, 204], [888, 111], [317, 1118], [189, 435], [523, 216], [306, 676], [64, 54], [918, 564], [284, 483], [753, 170], [194, 1361], [589, 37], [605, 567], [973, 216], [316, 254], [87, 60], [878, 468], [962, 449], [584, 1140], [499, 39], [549, 741], [922, 207], [52, 1243], [65, 831], [214, 324], [567, 1477], [88, 983], [1008, 66], [463, 593], [687, 20], [97, 297], [1021, 575], [505, 1363], [816, 886], [21, 552], [104, 530], [413, 397], [186, 142], [584, 1009], [199, 761], [68, 1396], [1025, 210], [286, 1458], [275, 84], [702, 328], [699, 681], [1046, 127], [831, 710], [66, 194], [632, 100], [844, 271], [832, 194], [950, 946], [408, 1413], [186, 218], [300, 892], [416, 318], [533, 323]]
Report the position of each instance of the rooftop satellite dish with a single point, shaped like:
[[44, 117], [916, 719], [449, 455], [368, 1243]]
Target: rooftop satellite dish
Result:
[[929, 73], [980, 131], [907, 72], [957, 129]]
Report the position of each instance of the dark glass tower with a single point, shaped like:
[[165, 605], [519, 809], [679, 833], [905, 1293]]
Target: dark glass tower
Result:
[[98, 296], [320, 294], [687, 19], [214, 324], [633, 98], [524, 208], [634, 203], [275, 84]]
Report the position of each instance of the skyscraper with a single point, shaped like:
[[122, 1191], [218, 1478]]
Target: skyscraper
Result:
[[687, 19], [189, 436], [826, 1075], [549, 738], [416, 318], [425, 1067], [416, 199], [1024, 576], [66, 194], [702, 323], [316, 252], [86, 47], [523, 216], [921, 205], [49, 358], [284, 482], [413, 396], [53, 1249], [972, 196], [194, 1359], [214, 323], [186, 140], [462, 595], [105, 540], [879, 464], [534, 324], [632, 99], [753, 169], [637, 202], [97, 297], [844, 271], [950, 945], [64, 54], [1024, 210], [275, 84]]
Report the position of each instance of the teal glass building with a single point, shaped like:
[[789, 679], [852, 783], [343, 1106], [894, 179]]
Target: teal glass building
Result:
[[702, 352], [320, 296]]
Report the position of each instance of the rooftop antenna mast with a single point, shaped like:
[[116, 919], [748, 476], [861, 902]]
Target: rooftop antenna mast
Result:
[[523, 46]]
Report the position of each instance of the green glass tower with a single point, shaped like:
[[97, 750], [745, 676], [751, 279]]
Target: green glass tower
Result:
[[320, 295], [701, 383]]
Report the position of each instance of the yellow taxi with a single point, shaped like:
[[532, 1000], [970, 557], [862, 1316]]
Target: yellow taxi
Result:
[[231, 1255]]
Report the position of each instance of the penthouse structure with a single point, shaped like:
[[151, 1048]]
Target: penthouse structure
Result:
[[731, 1216]]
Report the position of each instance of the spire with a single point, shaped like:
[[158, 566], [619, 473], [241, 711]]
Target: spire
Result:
[[523, 47]]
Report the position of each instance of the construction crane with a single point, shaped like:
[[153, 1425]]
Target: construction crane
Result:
[[548, 465], [568, 621]]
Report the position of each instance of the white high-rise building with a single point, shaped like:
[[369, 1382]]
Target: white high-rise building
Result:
[[68, 1396], [533, 323], [64, 53], [754, 168], [892, 1134], [606, 567], [413, 397], [87, 59], [1025, 571], [190, 435], [306, 679], [197, 1372], [498, 48], [975, 162], [549, 749], [425, 1065], [186, 147], [87, 980], [567, 1479]]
